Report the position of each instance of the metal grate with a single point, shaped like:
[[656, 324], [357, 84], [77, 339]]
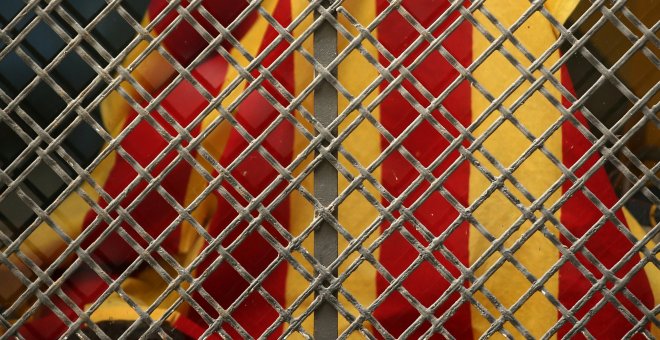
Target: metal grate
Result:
[[324, 169]]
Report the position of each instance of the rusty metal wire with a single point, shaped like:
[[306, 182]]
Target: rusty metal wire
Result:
[[325, 145]]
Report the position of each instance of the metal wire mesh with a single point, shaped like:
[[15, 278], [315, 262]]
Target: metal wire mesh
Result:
[[262, 183]]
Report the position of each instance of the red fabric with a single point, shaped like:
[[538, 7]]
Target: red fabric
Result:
[[225, 284], [192, 329], [143, 144], [255, 174], [83, 286], [114, 254], [608, 245], [184, 42], [426, 144]]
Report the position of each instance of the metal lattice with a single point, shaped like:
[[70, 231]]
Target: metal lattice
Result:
[[231, 217]]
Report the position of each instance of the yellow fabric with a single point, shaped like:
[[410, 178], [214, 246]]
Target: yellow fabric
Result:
[[150, 74], [44, 245], [115, 308], [651, 270], [302, 213], [355, 73], [496, 214], [356, 213], [143, 289], [561, 9], [536, 174]]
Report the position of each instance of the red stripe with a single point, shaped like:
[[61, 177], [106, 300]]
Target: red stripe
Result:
[[254, 173], [144, 144], [426, 144], [184, 42], [578, 215], [191, 328]]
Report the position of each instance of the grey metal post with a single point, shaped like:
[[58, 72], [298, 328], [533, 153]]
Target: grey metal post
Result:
[[325, 174]]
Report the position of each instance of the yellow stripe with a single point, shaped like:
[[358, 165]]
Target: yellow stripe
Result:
[[536, 174], [115, 308], [150, 74], [44, 245], [561, 9], [356, 213], [251, 42], [302, 213], [144, 288], [652, 271]]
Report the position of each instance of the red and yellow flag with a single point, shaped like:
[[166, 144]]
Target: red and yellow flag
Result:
[[506, 224]]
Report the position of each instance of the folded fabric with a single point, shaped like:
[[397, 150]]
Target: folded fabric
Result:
[[468, 199]]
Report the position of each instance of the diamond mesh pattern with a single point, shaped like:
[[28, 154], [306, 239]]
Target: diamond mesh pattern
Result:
[[327, 173]]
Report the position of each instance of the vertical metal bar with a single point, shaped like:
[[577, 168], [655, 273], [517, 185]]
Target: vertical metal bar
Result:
[[325, 174]]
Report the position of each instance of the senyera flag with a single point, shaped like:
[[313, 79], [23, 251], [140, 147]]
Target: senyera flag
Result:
[[503, 164]]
